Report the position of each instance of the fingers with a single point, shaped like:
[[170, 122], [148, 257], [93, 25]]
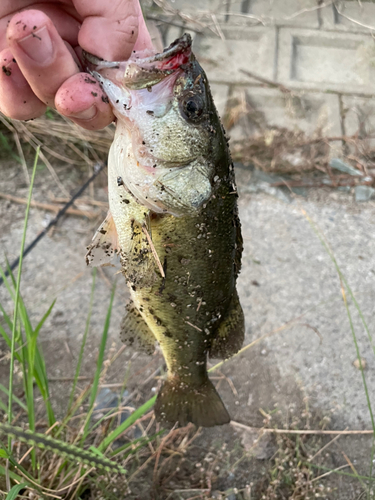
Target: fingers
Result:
[[41, 54], [17, 100], [112, 29], [81, 99], [64, 17], [40, 66], [144, 38]]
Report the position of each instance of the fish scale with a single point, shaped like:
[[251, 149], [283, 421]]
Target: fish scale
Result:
[[174, 222]]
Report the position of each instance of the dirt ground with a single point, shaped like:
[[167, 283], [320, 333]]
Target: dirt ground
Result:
[[301, 376]]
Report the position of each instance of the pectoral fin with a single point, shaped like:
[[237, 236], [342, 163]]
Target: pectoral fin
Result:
[[104, 244], [230, 334], [135, 332], [139, 262]]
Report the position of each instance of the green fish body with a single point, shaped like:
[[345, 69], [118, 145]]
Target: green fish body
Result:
[[174, 222]]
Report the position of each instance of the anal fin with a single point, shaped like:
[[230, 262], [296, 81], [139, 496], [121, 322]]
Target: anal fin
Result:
[[230, 334], [135, 332], [104, 244]]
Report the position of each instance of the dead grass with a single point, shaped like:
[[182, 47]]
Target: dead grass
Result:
[[174, 465], [293, 153]]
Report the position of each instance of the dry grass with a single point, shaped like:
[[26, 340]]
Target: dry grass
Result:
[[293, 153], [174, 465]]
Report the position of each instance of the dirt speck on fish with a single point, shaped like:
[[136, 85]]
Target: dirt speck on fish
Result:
[[173, 221]]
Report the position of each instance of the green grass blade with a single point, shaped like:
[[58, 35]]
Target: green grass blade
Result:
[[11, 474], [18, 353], [344, 285], [42, 321], [15, 399], [10, 274], [41, 379], [13, 494], [35, 360], [126, 424], [6, 317], [342, 277], [142, 442], [16, 300], [99, 364], [82, 348], [6, 283]]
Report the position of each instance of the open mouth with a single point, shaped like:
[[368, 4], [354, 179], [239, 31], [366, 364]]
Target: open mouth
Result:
[[142, 72]]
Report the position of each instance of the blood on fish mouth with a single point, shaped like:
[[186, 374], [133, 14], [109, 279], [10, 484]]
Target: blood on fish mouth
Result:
[[177, 54]]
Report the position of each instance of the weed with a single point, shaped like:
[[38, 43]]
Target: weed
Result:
[[46, 464]]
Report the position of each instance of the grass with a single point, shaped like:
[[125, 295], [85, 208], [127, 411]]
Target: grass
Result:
[[76, 458], [83, 435], [82, 443]]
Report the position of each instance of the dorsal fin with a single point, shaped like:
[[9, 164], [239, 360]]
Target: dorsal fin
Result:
[[104, 244]]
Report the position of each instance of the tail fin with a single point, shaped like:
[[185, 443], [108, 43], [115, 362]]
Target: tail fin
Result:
[[200, 405]]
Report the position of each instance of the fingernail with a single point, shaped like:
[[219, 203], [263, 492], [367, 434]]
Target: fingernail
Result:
[[38, 45], [88, 114]]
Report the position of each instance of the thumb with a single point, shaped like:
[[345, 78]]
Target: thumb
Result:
[[112, 29]]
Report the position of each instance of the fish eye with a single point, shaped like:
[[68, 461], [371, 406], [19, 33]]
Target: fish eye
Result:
[[192, 107]]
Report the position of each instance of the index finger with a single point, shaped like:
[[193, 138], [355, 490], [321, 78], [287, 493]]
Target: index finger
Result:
[[112, 29]]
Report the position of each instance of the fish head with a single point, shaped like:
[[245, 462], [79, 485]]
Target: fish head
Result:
[[167, 131]]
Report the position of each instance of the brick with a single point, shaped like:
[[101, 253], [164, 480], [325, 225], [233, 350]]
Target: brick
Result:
[[327, 61], [252, 49], [350, 15], [308, 112], [280, 12]]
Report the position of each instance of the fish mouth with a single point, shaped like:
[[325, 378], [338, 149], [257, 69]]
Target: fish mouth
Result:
[[152, 164], [143, 72]]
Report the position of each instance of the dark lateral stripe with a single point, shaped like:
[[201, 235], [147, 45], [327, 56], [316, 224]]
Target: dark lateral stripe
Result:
[[61, 448]]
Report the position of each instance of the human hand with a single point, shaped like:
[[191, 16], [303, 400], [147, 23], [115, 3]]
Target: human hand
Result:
[[40, 46]]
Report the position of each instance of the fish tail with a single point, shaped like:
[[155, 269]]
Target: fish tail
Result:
[[180, 403]]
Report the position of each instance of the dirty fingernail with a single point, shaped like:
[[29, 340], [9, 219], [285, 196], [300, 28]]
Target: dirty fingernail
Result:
[[87, 114], [38, 45]]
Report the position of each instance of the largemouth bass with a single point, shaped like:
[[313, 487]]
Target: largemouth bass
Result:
[[173, 221]]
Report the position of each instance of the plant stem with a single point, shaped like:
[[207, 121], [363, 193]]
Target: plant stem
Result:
[[10, 400]]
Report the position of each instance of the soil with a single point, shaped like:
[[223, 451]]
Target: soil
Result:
[[302, 374]]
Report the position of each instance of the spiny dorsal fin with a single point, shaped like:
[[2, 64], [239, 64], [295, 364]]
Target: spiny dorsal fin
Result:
[[104, 244]]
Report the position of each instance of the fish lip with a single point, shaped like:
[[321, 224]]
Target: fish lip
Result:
[[179, 46]]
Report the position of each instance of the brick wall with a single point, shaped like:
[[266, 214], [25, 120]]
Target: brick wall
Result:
[[323, 54]]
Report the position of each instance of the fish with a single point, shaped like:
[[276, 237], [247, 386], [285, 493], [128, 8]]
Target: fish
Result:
[[173, 221]]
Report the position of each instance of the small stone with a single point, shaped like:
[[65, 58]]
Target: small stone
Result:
[[363, 193], [357, 364], [344, 167]]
